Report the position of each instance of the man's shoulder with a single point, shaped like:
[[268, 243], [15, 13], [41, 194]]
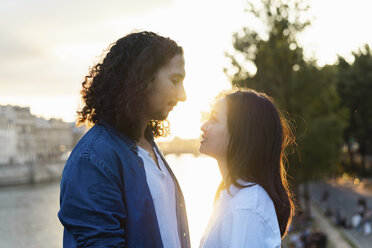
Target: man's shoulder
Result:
[[97, 155], [99, 142]]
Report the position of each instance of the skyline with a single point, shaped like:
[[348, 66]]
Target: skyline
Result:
[[47, 48]]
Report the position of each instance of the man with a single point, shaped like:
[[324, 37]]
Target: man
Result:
[[117, 190]]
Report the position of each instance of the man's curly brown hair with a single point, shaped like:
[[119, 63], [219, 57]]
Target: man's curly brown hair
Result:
[[116, 90]]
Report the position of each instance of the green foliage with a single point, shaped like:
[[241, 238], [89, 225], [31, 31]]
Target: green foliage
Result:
[[307, 93], [355, 89], [320, 141]]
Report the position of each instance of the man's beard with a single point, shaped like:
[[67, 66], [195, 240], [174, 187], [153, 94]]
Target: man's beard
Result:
[[161, 115]]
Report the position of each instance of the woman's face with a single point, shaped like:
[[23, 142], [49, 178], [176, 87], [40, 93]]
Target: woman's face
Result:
[[215, 137]]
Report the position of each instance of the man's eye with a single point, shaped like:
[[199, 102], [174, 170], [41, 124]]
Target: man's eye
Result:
[[176, 79]]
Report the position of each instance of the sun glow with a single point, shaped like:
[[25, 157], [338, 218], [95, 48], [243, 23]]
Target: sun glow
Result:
[[42, 72], [199, 178], [65, 61]]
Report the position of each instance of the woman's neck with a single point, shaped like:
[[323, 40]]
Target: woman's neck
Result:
[[222, 164]]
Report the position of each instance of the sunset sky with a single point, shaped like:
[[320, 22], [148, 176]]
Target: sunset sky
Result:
[[47, 46]]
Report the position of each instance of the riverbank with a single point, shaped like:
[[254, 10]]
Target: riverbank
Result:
[[30, 173], [341, 203]]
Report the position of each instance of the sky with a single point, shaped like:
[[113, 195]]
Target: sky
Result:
[[47, 47]]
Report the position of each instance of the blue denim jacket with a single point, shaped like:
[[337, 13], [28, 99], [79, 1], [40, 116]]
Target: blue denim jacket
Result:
[[105, 200]]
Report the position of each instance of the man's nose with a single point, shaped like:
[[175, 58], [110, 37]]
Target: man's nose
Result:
[[181, 94]]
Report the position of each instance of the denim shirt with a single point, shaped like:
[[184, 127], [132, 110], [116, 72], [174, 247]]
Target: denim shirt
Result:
[[105, 200]]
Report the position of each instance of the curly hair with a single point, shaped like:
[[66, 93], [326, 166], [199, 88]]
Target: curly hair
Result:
[[116, 90]]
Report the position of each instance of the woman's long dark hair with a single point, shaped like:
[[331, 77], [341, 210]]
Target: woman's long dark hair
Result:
[[116, 90], [259, 135]]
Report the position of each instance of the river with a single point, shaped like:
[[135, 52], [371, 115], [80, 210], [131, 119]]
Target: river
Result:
[[28, 214]]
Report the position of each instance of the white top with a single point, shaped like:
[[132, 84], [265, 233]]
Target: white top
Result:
[[163, 195], [246, 218]]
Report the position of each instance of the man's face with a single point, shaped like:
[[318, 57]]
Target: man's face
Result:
[[167, 89]]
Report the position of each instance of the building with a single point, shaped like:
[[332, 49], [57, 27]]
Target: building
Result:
[[8, 145], [25, 125], [26, 139], [54, 137]]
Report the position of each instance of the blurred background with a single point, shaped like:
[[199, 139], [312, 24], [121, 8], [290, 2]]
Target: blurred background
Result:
[[313, 57]]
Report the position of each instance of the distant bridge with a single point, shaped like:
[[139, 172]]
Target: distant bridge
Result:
[[179, 146]]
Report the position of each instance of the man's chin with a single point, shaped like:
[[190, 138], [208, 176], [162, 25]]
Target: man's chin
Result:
[[161, 116]]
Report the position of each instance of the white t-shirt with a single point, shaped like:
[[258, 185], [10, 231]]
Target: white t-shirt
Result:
[[246, 218], [163, 194]]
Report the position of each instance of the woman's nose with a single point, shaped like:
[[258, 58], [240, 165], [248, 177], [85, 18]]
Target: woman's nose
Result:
[[204, 127]]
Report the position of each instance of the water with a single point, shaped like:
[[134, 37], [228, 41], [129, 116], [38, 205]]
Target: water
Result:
[[28, 217], [28, 214]]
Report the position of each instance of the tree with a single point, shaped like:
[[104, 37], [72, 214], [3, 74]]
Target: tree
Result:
[[355, 89], [307, 93]]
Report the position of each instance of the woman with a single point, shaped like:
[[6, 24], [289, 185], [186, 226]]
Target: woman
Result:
[[247, 136]]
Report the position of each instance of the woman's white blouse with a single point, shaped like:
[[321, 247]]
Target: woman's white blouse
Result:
[[246, 218]]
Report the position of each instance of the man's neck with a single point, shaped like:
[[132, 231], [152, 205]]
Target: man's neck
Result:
[[143, 141]]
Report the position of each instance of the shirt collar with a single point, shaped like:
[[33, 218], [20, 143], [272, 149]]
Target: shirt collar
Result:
[[130, 143], [234, 189]]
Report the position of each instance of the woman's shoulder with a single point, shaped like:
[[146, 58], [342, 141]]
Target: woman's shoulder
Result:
[[254, 200], [252, 197]]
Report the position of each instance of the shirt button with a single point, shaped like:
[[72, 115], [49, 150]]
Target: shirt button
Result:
[[181, 205], [184, 234]]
